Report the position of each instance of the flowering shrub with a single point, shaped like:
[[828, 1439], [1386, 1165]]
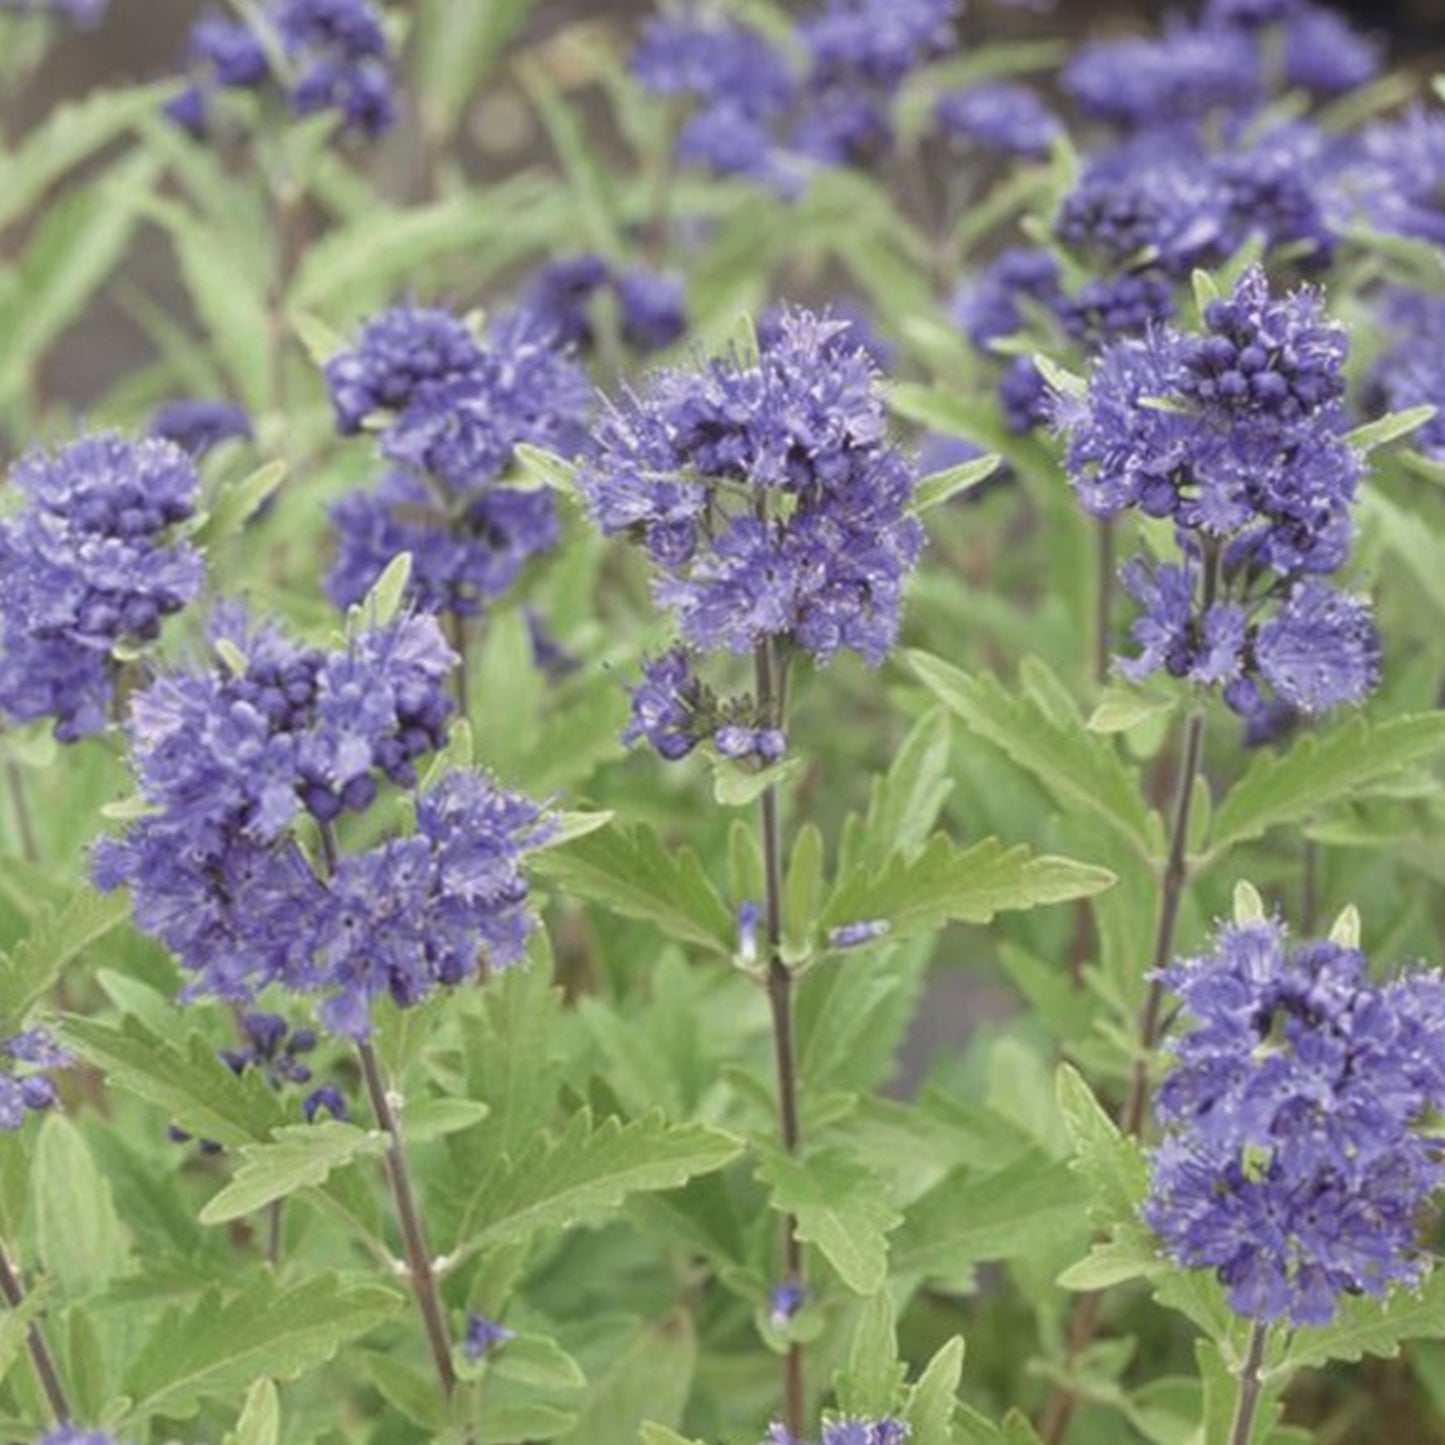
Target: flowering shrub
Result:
[[720, 725]]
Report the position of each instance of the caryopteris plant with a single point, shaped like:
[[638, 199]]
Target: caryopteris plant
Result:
[[642, 656]]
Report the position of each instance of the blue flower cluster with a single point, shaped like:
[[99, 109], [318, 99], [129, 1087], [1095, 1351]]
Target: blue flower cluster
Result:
[[324, 55], [74, 12], [22, 1094], [776, 513], [1000, 116], [1411, 372], [198, 426], [847, 1432], [758, 114], [91, 562], [674, 711], [652, 308], [1294, 1162], [452, 410], [1238, 436], [234, 757]]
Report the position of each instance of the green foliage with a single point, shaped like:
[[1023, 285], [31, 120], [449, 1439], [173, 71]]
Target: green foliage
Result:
[[57, 938]]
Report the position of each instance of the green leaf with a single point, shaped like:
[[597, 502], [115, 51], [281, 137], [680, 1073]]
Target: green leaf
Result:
[[650, 1380], [1371, 1326], [15, 1327], [940, 487], [56, 940], [456, 46], [933, 1401], [299, 1156], [409, 1391], [1083, 773], [190, 1083], [904, 804], [239, 503], [1320, 771], [538, 1363], [76, 244], [970, 1216], [1060, 378], [320, 341], [945, 883], [428, 1119], [382, 604], [1205, 291], [1111, 1166], [81, 1239], [1123, 708], [629, 870], [736, 786], [869, 1381], [220, 1345], [840, 1207], [1390, 427], [546, 469], [588, 1171], [260, 1422]]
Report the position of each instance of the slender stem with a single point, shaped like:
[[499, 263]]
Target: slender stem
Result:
[[418, 1258], [780, 999], [1104, 600], [1249, 1386], [40, 1355], [29, 849], [461, 678]]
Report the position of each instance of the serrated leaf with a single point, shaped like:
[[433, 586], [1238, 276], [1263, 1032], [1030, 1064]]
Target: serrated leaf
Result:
[[1371, 1326], [191, 1084], [933, 1401], [939, 487], [945, 883], [1082, 772], [839, 1206], [588, 1171], [82, 1242], [1389, 428], [969, 1217], [904, 804], [58, 937], [1111, 1166], [1321, 771], [629, 870], [221, 1344], [297, 1157]]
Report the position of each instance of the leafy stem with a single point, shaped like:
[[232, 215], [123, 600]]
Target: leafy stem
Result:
[[44, 1361], [772, 689]]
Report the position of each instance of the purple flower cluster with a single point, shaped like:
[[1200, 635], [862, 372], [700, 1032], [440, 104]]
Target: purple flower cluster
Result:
[[766, 494], [75, 12], [1411, 372], [335, 53], [454, 409], [756, 113], [233, 759], [847, 1432], [1000, 116], [91, 562], [1294, 1163], [674, 711], [652, 308], [198, 426], [1238, 436], [22, 1094]]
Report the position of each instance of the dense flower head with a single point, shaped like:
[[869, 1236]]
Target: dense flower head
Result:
[[1108, 307], [701, 54], [1325, 54], [1275, 190], [846, 1431], [463, 556], [987, 306], [198, 426], [336, 54], [1395, 179], [231, 758], [766, 494], [1001, 116], [1411, 371], [652, 307], [25, 1086], [75, 12], [1293, 1162], [1183, 74], [91, 561]]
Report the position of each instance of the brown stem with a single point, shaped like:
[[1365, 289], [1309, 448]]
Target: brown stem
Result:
[[40, 1355], [780, 999], [418, 1258], [275, 1231], [29, 850], [1104, 600], [1249, 1386]]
